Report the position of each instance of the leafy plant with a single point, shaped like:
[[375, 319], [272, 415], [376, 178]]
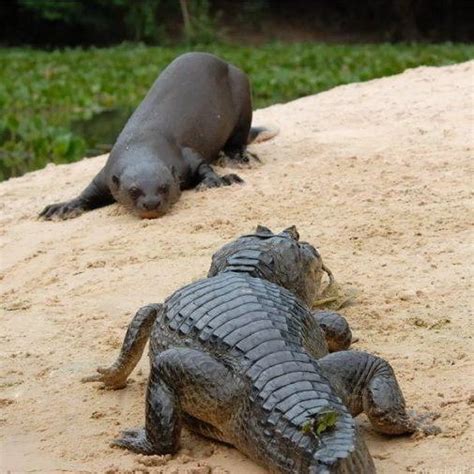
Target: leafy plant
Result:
[[320, 422]]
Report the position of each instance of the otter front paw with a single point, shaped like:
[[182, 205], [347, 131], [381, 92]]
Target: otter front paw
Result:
[[230, 179], [62, 210], [239, 159]]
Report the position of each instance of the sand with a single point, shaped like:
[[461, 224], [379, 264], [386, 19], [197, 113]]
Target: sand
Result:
[[377, 175]]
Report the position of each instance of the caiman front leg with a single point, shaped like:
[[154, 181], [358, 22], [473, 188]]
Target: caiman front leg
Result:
[[185, 385], [96, 195], [163, 421], [138, 333], [367, 383]]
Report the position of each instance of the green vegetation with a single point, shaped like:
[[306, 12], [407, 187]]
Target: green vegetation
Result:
[[325, 420], [43, 93]]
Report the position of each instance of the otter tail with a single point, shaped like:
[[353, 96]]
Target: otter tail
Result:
[[262, 134]]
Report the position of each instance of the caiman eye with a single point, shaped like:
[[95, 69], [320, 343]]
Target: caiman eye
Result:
[[310, 248], [134, 192], [163, 189]]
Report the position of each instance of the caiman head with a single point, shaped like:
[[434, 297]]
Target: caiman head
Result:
[[279, 258]]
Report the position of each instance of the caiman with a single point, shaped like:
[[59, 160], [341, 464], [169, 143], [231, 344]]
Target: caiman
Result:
[[240, 357]]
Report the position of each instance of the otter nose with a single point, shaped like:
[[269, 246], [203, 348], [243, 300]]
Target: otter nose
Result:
[[151, 204]]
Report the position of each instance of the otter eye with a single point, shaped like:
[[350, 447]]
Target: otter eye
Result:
[[163, 189], [134, 192]]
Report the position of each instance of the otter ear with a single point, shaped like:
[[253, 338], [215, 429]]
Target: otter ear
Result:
[[292, 232], [261, 229], [116, 180]]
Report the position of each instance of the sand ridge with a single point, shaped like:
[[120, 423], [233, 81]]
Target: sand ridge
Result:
[[377, 175]]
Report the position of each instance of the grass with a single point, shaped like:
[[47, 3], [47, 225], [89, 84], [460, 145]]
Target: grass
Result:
[[43, 93]]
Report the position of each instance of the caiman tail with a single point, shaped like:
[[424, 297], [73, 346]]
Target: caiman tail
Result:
[[304, 427]]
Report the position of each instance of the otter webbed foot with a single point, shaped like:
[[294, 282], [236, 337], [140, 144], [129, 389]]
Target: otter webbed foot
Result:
[[97, 194], [238, 159], [214, 181], [63, 210], [203, 175]]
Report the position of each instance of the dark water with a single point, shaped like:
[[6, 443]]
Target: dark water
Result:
[[101, 130]]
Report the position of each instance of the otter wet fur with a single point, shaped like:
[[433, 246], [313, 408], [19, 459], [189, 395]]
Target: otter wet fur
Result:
[[199, 106], [239, 357]]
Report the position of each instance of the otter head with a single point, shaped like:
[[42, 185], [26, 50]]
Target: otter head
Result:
[[148, 190], [279, 258]]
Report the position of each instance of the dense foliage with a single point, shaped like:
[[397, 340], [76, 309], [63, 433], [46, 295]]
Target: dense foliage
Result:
[[42, 93], [53, 23]]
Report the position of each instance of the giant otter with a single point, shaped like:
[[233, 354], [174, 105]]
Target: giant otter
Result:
[[199, 105]]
